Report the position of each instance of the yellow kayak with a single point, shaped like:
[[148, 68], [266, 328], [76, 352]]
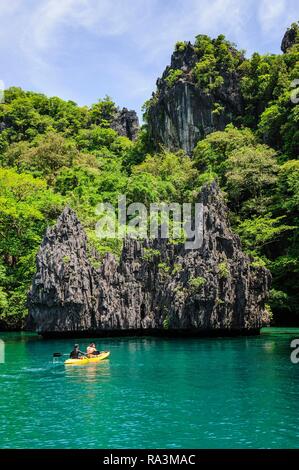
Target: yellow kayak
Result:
[[99, 357], [87, 360]]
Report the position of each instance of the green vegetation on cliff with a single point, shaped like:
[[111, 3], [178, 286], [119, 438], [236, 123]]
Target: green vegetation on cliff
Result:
[[53, 153]]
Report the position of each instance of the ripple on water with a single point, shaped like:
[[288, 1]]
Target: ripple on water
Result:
[[152, 393]]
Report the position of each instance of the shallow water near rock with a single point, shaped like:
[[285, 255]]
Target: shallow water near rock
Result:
[[152, 393]]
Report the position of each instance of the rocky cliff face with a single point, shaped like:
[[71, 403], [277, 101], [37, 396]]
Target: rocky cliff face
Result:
[[64, 293], [126, 123], [154, 286], [183, 112], [290, 37]]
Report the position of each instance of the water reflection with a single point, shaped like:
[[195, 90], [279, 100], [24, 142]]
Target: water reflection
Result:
[[269, 346], [228, 392], [89, 373]]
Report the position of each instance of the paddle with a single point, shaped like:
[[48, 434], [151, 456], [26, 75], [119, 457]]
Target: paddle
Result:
[[58, 354]]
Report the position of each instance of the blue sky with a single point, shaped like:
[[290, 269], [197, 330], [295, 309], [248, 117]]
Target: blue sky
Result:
[[85, 49]]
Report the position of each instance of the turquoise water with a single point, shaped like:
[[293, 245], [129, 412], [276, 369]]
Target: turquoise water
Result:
[[159, 393]]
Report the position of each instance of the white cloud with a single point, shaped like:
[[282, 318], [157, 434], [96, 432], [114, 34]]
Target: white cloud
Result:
[[6, 8], [146, 22], [192, 17], [8, 17], [270, 13], [42, 33], [104, 18]]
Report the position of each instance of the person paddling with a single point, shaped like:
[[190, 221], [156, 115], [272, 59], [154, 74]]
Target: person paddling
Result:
[[92, 350], [76, 353]]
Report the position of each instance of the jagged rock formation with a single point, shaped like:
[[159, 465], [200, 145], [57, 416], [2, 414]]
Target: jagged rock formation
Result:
[[65, 290], [155, 286], [126, 123], [182, 113], [291, 37]]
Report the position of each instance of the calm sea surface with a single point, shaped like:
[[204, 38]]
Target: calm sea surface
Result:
[[152, 393]]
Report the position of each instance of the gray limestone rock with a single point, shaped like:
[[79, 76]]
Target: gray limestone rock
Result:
[[291, 37], [155, 286], [183, 113], [126, 123], [64, 292]]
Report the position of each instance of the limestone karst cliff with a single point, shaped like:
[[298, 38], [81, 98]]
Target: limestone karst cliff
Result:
[[291, 37], [155, 286], [126, 123], [187, 105]]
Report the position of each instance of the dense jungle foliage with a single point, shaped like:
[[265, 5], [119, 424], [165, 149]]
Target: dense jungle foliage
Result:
[[53, 153]]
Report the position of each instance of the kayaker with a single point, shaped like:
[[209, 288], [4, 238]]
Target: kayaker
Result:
[[76, 353], [92, 350]]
